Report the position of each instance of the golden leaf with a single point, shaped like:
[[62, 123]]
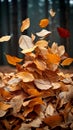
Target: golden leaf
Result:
[[25, 24], [5, 38], [42, 43], [13, 60], [25, 76], [53, 58], [67, 61], [4, 106], [43, 23], [41, 65]]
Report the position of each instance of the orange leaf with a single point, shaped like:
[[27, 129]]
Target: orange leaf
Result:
[[4, 106], [53, 58], [25, 24], [54, 120], [35, 101], [43, 23], [13, 60], [33, 92], [67, 61]]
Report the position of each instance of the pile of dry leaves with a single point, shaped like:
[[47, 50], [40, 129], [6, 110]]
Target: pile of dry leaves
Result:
[[37, 96]]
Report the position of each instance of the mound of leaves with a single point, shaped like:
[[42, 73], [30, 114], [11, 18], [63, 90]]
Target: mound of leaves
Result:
[[37, 96]]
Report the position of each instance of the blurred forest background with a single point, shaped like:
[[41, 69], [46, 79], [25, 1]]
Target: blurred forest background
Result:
[[12, 12]]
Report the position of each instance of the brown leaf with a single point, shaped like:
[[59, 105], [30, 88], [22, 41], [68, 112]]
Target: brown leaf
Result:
[[35, 101], [25, 24], [13, 60], [4, 106], [41, 65], [53, 121]]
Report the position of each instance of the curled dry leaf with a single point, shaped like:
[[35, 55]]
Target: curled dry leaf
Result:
[[43, 33], [67, 61], [41, 65], [53, 58], [42, 84], [60, 50], [4, 106], [52, 13], [41, 43], [25, 76], [25, 24], [43, 23], [16, 103], [13, 60], [2, 113], [25, 42], [5, 38], [49, 110]]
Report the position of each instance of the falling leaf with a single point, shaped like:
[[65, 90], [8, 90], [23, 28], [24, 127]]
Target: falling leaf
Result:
[[25, 24], [52, 13], [43, 33], [33, 37], [5, 38], [25, 42], [42, 84], [25, 76], [64, 33], [67, 61], [29, 50], [43, 23], [13, 60]]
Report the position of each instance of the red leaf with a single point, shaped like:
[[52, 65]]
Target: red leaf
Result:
[[64, 33]]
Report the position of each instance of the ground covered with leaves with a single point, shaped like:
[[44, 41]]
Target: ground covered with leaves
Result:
[[37, 95]]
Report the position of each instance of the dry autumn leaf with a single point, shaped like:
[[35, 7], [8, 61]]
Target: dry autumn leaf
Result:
[[5, 38], [43, 33], [67, 61], [52, 13], [25, 24], [42, 84], [13, 60], [43, 23], [25, 76], [25, 42], [53, 58]]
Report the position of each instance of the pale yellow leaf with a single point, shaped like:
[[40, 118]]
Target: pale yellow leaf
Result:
[[25, 24], [5, 38], [42, 84], [25, 76], [43, 33]]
